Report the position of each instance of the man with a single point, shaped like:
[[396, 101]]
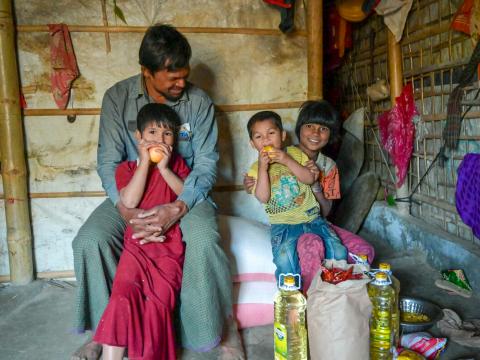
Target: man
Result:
[[205, 300]]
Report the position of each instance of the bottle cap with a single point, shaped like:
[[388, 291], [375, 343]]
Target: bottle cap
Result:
[[382, 278], [287, 282], [384, 266]]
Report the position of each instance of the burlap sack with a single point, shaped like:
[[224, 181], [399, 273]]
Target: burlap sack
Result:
[[338, 320]]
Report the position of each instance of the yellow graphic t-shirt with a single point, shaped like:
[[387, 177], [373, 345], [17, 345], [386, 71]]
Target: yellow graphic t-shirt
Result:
[[291, 202]]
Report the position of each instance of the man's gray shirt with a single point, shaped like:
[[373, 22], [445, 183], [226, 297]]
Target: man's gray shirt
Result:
[[197, 140]]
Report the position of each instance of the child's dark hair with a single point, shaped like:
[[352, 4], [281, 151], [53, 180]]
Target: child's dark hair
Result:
[[319, 112], [160, 114], [262, 116]]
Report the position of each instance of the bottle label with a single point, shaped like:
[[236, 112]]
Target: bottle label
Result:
[[280, 341]]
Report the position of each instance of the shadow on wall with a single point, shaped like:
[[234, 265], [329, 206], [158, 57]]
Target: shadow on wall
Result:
[[202, 76]]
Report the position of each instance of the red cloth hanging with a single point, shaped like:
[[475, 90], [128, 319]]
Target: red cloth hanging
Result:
[[397, 131], [63, 62], [282, 3]]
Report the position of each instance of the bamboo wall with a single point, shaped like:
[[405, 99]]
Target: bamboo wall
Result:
[[239, 57], [433, 57]]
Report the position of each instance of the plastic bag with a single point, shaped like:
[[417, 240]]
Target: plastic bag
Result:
[[397, 131], [424, 344]]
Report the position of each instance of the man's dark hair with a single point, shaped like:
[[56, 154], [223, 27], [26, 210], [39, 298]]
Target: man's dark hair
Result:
[[262, 116], [160, 114], [163, 47], [319, 112]]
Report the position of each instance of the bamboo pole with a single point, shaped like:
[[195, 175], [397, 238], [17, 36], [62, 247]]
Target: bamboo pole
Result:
[[142, 29], [12, 148], [395, 73], [219, 108], [315, 49]]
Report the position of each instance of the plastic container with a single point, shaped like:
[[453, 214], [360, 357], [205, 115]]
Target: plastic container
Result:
[[385, 267], [290, 332], [382, 296]]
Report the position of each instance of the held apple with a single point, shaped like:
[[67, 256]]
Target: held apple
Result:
[[156, 154], [267, 149]]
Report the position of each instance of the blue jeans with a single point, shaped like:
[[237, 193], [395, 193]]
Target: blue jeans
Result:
[[284, 239]]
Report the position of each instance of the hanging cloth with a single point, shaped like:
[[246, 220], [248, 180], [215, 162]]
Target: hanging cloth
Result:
[[467, 194], [394, 14], [397, 131], [63, 62], [287, 14], [453, 125]]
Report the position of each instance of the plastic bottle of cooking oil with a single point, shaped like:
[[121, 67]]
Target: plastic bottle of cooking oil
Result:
[[382, 296], [385, 267], [290, 332]]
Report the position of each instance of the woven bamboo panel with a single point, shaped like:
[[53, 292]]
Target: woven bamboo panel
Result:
[[433, 59]]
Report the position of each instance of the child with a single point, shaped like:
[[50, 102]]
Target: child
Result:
[[148, 277], [317, 126], [283, 186]]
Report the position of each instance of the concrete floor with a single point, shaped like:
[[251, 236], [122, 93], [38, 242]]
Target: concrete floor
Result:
[[35, 319]]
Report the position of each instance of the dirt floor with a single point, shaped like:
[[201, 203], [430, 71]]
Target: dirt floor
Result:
[[35, 320]]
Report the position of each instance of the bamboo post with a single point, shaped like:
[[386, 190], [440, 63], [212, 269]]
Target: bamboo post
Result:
[[395, 73], [315, 49], [12, 148]]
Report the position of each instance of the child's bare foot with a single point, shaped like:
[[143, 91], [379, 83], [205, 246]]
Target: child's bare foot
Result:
[[231, 346], [88, 351]]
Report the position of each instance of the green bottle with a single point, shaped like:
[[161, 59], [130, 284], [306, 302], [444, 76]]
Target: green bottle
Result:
[[382, 296], [290, 332]]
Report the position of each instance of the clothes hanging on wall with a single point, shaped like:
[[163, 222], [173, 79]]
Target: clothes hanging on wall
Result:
[[397, 131], [467, 194], [338, 38], [394, 14], [63, 62], [287, 14]]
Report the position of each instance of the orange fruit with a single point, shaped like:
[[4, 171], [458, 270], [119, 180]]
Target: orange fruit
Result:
[[267, 148], [156, 154]]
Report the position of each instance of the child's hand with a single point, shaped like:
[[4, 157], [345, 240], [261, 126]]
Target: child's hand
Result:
[[142, 149], [279, 156], [166, 150], [248, 183], [263, 160], [310, 165]]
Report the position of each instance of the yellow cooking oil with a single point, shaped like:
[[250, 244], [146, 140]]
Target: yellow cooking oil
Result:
[[382, 296], [385, 267], [290, 331]]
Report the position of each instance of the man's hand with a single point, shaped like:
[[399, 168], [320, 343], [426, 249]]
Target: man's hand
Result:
[[248, 183], [151, 225]]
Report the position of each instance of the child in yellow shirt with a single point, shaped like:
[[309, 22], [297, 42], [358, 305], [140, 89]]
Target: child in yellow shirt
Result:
[[283, 186]]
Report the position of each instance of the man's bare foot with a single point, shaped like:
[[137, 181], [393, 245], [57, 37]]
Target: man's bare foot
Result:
[[231, 347], [88, 351]]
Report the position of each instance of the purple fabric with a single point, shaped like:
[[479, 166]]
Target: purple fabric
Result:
[[467, 196]]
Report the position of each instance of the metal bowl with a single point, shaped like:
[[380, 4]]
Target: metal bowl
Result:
[[418, 306]]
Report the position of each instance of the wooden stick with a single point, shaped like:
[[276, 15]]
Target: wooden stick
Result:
[[105, 23], [142, 29], [315, 49], [12, 149], [219, 108]]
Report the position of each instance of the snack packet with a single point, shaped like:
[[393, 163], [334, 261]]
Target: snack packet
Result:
[[424, 344], [457, 277]]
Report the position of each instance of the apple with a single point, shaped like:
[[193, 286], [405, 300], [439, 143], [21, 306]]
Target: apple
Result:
[[156, 154]]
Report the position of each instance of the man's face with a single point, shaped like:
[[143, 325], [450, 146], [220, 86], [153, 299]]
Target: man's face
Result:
[[169, 84]]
